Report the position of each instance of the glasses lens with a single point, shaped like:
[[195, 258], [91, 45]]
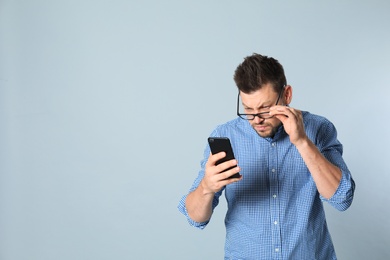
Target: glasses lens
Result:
[[265, 115], [247, 117]]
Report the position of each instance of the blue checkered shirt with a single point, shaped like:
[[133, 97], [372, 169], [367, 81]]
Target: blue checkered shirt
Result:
[[275, 211]]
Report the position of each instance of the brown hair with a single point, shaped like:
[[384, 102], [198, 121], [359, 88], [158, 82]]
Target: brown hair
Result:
[[257, 70]]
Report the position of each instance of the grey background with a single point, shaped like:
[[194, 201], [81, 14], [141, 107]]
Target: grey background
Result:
[[105, 107]]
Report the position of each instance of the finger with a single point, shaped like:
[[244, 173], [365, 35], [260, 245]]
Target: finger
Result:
[[214, 158], [295, 112], [281, 113], [226, 166], [279, 110], [230, 172], [285, 110], [228, 181], [287, 114], [282, 118]]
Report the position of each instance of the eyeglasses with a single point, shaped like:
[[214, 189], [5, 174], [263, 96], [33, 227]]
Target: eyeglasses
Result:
[[262, 115]]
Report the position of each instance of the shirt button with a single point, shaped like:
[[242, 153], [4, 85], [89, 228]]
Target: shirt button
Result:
[[276, 249], [274, 196], [275, 222], [273, 144], [273, 170]]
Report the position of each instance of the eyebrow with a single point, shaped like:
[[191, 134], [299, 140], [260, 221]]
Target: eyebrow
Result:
[[264, 105]]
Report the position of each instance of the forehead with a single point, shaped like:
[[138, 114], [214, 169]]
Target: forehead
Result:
[[264, 96]]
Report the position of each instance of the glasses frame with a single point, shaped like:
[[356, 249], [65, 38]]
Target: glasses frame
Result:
[[259, 115]]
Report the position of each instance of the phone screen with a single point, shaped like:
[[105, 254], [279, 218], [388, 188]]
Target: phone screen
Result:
[[222, 144]]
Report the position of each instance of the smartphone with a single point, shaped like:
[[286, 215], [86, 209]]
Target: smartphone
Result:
[[222, 144]]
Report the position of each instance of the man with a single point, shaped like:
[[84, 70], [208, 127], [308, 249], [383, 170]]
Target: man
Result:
[[290, 162]]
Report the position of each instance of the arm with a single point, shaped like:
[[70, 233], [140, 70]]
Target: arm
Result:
[[199, 202], [326, 175]]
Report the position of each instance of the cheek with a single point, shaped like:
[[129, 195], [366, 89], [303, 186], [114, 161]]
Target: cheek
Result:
[[274, 122], [253, 122]]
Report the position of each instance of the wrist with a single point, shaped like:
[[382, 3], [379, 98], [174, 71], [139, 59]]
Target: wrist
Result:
[[204, 190], [302, 143]]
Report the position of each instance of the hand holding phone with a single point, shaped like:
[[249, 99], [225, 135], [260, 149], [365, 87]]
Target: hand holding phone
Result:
[[222, 144]]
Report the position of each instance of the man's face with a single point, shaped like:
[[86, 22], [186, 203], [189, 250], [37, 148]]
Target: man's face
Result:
[[260, 102]]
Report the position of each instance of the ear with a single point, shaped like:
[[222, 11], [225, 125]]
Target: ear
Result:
[[287, 95]]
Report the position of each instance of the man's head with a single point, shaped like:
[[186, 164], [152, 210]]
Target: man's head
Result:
[[258, 70], [262, 84]]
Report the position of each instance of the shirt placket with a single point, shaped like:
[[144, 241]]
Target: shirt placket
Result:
[[274, 201]]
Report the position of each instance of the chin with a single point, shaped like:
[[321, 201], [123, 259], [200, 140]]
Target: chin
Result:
[[268, 133], [264, 135]]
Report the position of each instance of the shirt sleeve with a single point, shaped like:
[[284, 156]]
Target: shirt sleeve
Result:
[[342, 198], [182, 204], [183, 209], [332, 149]]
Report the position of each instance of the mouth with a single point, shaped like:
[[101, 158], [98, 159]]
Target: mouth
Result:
[[261, 128]]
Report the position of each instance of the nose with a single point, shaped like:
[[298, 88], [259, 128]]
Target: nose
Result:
[[258, 119]]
